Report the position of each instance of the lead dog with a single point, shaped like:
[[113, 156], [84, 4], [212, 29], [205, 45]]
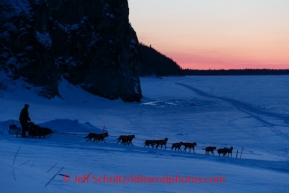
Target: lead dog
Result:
[[229, 150]]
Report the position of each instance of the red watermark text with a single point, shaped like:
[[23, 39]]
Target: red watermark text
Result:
[[166, 179]]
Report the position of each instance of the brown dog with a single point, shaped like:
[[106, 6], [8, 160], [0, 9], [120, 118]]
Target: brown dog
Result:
[[177, 146], [125, 139], [150, 142], [96, 137], [162, 142], [190, 146]]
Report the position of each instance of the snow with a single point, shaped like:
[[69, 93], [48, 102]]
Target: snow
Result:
[[19, 7], [3, 35], [94, 39], [109, 15], [222, 111], [44, 39], [67, 28], [70, 62]]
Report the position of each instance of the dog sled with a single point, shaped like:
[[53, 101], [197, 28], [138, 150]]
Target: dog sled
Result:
[[33, 130], [37, 131]]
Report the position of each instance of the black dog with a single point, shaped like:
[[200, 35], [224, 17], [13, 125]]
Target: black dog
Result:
[[222, 151], [177, 146], [150, 142], [225, 151], [229, 151], [210, 149]]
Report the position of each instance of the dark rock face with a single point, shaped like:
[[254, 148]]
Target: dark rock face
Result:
[[88, 42]]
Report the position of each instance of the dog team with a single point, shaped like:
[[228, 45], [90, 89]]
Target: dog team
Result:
[[127, 140]]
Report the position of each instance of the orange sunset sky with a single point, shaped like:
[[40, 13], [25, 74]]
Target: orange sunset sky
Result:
[[215, 34]]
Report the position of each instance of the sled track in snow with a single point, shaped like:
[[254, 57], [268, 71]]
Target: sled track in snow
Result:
[[248, 109]]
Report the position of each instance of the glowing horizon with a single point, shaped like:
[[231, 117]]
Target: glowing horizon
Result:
[[215, 34]]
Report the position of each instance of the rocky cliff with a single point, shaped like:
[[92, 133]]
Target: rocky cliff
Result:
[[88, 42]]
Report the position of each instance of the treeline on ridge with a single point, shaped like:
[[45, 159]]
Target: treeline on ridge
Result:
[[155, 63], [190, 72]]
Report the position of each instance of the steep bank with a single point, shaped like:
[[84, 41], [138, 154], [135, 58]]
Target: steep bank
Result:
[[90, 43]]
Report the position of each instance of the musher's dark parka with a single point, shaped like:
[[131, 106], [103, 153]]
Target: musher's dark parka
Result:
[[24, 118]]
